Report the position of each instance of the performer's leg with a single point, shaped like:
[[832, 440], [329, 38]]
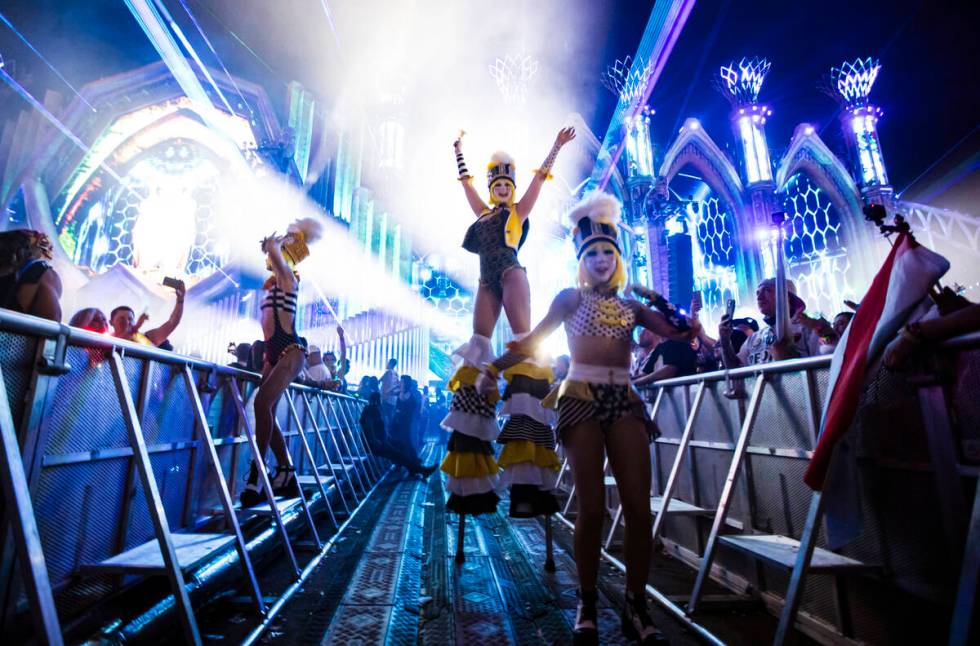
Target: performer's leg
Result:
[[460, 556], [549, 560], [517, 299], [629, 456], [276, 380], [584, 447], [486, 311]]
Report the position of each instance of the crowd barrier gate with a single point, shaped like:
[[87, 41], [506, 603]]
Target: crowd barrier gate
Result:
[[121, 461], [728, 495]]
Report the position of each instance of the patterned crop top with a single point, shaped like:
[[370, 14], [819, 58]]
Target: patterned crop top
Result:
[[605, 315], [277, 299]]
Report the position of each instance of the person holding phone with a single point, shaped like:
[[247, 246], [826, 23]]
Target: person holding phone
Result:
[[126, 326]]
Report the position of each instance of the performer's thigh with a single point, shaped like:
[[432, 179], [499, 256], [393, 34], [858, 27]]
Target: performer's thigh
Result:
[[584, 448], [517, 299], [486, 311], [629, 455]]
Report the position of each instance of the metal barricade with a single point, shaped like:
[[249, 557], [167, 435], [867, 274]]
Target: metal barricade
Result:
[[728, 497], [123, 461]]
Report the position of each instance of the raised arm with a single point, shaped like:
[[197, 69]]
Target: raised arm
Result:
[[466, 181], [563, 305], [160, 334], [342, 370], [657, 323], [285, 278], [527, 202]]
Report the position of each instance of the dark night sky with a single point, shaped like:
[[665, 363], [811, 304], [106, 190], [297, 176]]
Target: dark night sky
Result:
[[928, 86]]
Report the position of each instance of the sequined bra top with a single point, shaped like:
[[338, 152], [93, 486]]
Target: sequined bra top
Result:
[[603, 315]]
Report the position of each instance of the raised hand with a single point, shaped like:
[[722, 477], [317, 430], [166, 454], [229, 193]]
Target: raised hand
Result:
[[564, 136]]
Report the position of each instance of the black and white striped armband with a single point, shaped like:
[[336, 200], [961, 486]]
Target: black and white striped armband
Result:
[[464, 173]]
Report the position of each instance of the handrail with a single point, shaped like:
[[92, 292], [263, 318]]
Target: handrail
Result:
[[793, 365], [43, 328]]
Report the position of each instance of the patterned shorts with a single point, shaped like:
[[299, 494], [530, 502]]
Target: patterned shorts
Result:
[[611, 403]]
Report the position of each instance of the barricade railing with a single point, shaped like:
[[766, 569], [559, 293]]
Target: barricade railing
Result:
[[728, 495], [121, 461]]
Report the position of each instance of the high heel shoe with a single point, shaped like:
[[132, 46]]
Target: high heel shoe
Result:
[[586, 632], [637, 624], [284, 482]]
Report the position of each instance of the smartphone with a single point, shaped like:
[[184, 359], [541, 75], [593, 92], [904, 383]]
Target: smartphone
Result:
[[173, 283], [696, 303], [730, 308]]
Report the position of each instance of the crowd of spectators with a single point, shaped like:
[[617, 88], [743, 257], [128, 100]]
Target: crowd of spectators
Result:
[[741, 341]]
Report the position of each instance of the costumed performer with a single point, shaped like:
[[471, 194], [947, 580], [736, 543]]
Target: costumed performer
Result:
[[496, 237], [599, 412], [283, 359]]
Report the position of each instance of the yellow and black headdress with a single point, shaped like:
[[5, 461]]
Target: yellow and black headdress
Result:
[[595, 219]]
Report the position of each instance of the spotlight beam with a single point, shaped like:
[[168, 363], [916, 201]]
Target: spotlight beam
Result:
[[152, 24], [37, 105], [671, 20], [174, 27], [51, 66]]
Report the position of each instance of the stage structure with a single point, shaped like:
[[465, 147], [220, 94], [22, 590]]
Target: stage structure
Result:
[[700, 220], [151, 192]]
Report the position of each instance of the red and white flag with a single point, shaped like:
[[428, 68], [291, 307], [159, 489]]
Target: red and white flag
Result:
[[895, 294]]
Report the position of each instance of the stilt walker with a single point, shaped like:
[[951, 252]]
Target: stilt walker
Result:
[[495, 237], [529, 461]]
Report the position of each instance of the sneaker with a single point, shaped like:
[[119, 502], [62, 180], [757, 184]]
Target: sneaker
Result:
[[637, 624], [586, 632], [284, 482]]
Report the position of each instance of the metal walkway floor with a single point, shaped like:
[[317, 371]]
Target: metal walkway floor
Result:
[[392, 579]]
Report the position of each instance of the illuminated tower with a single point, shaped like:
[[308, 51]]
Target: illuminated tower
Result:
[[626, 79], [740, 83], [849, 85]]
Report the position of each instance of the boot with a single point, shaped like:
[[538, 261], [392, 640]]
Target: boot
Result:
[[637, 625], [586, 631]]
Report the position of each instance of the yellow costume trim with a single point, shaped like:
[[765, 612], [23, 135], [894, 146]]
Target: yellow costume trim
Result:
[[513, 229], [520, 451], [545, 174], [529, 370], [465, 376], [578, 390], [469, 465]]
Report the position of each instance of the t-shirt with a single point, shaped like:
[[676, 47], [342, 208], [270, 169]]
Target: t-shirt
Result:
[[758, 347], [674, 353], [389, 387]]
